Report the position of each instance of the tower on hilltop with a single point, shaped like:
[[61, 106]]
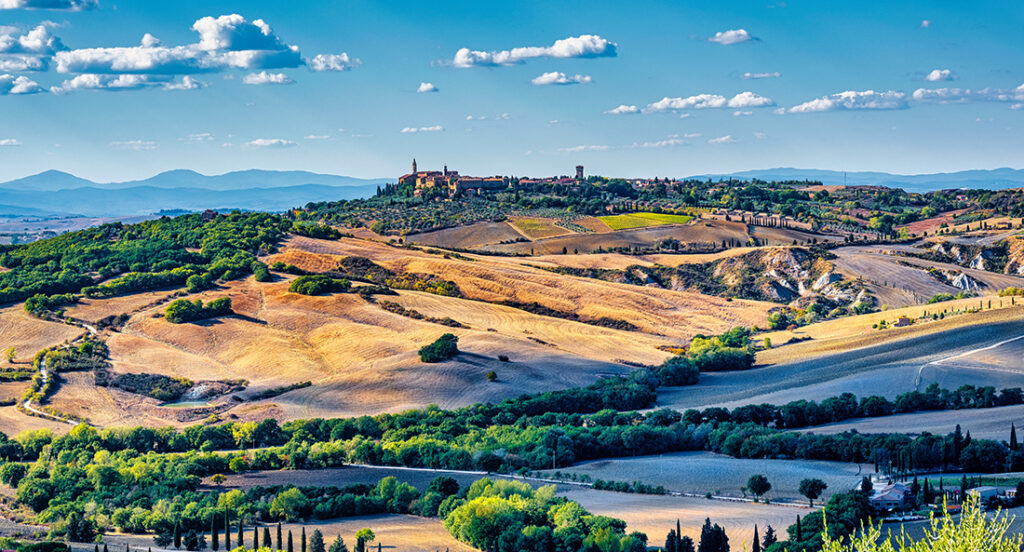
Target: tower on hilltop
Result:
[[413, 165], [579, 172]]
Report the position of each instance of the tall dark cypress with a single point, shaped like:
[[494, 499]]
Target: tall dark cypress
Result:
[[267, 543], [255, 537], [1013, 437], [679, 535], [95, 548], [177, 536], [241, 534], [756, 547], [105, 547], [303, 539], [291, 548], [670, 541], [214, 534], [279, 537], [799, 535], [227, 531]]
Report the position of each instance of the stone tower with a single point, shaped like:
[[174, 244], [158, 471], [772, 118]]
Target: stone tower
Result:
[[413, 165]]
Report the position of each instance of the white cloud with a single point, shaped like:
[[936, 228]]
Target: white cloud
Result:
[[963, 95], [732, 36], [435, 128], [583, 46], [623, 110], [134, 145], [557, 77], [426, 87], [317, 137], [727, 139], [925, 23], [760, 135], [30, 51], [667, 143], [116, 83], [65, 5], [264, 77], [332, 62], [940, 75], [9, 143], [742, 113], [270, 143], [709, 101], [201, 137], [850, 99], [578, 149], [772, 75], [228, 41], [12, 85]]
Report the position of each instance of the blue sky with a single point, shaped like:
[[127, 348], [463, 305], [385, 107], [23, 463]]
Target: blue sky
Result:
[[330, 86]]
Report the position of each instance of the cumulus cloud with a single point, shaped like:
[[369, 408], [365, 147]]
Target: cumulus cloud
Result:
[[963, 95], [940, 75], [925, 23], [9, 142], [426, 87], [30, 51], [116, 83], [732, 36], [583, 46], [134, 145], [556, 77], [667, 143], [772, 75], [435, 128], [20, 85], [317, 137], [852, 100], [623, 110], [742, 113], [200, 137], [65, 5], [709, 101], [331, 62], [264, 77], [727, 139], [270, 143], [228, 41]]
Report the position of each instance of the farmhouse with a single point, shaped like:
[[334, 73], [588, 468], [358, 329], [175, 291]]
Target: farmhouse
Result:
[[891, 497], [451, 182]]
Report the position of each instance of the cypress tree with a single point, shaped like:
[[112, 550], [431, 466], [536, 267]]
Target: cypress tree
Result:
[[303, 539], [105, 547], [95, 548], [126, 549], [177, 536], [685, 545], [267, 543], [214, 534], [279, 536], [756, 546], [227, 531], [679, 536], [670, 541], [255, 538], [290, 547], [241, 535], [799, 535], [769, 537], [1013, 437], [316, 541]]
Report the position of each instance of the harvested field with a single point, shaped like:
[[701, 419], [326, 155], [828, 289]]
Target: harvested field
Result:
[[473, 236], [679, 315], [656, 515], [932, 225], [699, 232], [13, 422], [28, 334], [786, 236], [393, 531], [538, 227], [348, 475], [593, 224], [621, 261], [984, 423], [865, 366], [706, 472], [92, 310]]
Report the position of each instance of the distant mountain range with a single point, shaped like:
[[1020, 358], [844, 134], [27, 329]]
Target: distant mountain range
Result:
[[994, 179], [60, 193], [56, 193]]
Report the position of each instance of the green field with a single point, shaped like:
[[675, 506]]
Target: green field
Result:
[[639, 220]]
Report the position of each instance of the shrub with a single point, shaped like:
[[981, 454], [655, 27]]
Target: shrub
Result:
[[492, 376], [317, 284], [446, 347], [183, 310]]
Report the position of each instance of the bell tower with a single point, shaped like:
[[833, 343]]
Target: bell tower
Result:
[[413, 165]]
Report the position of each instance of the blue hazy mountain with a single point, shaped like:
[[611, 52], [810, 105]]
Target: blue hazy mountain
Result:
[[994, 179], [56, 191]]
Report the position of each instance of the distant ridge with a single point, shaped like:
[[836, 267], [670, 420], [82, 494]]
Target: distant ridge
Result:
[[57, 191], [992, 179]]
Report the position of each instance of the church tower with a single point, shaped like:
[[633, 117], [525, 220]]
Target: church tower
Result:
[[413, 165]]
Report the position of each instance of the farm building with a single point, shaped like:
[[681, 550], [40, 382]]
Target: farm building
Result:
[[892, 497]]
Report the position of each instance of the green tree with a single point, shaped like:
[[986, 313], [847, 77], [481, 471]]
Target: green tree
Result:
[[290, 504], [338, 545], [316, 541], [364, 536], [812, 489], [10, 353], [267, 543], [712, 538], [177, 535], [758, 485]]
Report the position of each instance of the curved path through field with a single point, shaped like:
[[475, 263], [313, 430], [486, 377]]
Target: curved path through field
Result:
[[886, 369]]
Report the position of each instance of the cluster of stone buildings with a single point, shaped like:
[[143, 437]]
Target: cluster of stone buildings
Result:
[[451, 182]]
